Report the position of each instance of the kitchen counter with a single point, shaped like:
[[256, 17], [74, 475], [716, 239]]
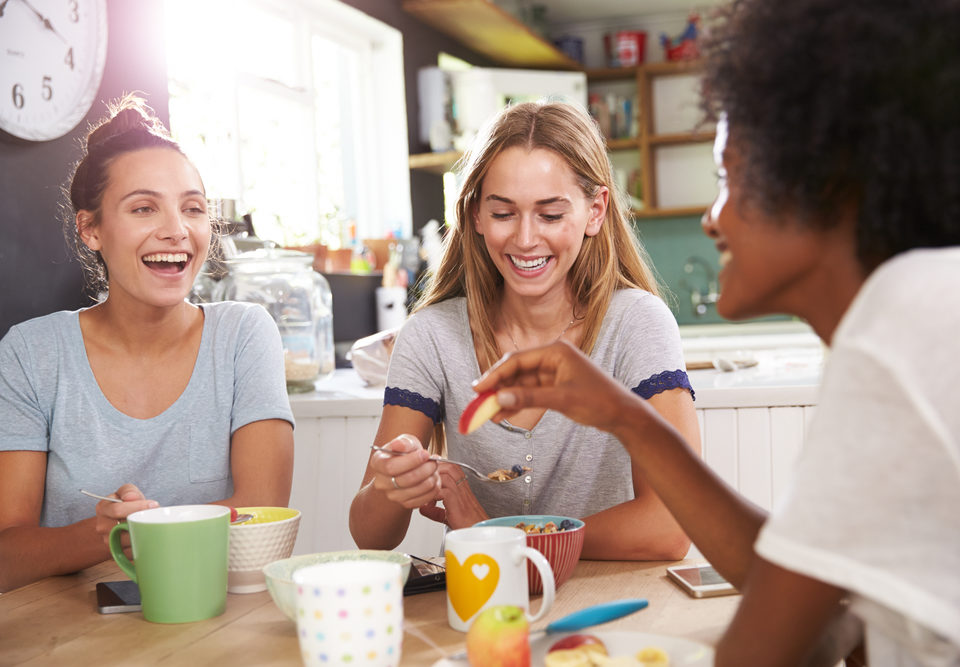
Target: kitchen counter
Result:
[[784, 375]]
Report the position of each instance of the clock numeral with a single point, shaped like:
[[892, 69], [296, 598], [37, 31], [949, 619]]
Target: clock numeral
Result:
[[69, 59], [74, 13], [47, 90], [18, 95]]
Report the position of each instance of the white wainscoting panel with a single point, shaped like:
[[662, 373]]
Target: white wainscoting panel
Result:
[[330, 457]]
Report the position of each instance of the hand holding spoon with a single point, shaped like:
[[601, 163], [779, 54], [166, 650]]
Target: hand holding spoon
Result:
[[234, 517]]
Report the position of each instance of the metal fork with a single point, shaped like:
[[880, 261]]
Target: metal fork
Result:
[[439, 459]]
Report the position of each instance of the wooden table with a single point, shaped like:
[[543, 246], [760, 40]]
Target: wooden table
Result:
[[55, 621]]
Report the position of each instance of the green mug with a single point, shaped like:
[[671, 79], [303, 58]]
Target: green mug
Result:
[[179, 560]]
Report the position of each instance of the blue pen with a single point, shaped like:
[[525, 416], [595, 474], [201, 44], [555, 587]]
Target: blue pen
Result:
[[584, 618]]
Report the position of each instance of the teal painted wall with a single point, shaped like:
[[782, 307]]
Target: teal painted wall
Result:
[[670, 243]]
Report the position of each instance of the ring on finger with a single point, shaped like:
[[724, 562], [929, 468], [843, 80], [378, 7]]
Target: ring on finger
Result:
[[461, 480], [395, 485]]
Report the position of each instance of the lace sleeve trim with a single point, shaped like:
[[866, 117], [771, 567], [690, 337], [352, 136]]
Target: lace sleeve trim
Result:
[[411, 399], [654, 384]]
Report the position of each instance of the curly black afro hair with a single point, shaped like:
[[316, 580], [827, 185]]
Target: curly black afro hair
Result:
[[840, 102]]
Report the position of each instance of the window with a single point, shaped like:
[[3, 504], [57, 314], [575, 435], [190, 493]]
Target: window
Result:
[[297, 111]]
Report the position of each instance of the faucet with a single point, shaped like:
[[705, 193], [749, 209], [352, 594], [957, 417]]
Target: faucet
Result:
[[700, 298]]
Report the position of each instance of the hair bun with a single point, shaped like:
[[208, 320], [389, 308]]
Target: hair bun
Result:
[[129, 114]]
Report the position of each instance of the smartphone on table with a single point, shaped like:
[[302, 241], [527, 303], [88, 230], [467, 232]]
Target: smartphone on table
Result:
[[117, 596], [700, 581], [425, 575]]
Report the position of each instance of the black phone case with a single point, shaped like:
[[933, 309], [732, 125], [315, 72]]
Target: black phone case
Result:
[[118, 596]]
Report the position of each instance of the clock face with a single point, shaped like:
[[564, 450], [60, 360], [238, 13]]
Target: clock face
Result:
[[52, 54]]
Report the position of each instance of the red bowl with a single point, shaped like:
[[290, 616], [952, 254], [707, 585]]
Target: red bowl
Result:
[[561, 549]]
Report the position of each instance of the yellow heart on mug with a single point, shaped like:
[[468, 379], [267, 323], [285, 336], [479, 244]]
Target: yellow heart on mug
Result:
[[471, 584]]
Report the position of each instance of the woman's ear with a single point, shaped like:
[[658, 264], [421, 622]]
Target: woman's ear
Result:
[[87, 231], [598, 211]]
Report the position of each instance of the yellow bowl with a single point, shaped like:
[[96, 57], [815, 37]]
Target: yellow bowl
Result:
[[279, 574], [268, 536]]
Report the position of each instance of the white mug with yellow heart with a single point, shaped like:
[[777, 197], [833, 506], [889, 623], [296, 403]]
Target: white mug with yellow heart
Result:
[[486, 566]]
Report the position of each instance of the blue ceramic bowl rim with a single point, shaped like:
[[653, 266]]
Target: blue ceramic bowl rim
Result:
[[539, 519]]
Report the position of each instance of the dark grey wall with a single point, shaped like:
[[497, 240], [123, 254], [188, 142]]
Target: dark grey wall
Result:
[[37, 273]]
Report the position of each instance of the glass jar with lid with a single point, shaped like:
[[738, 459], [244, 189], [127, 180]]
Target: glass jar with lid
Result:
[[300, 302]]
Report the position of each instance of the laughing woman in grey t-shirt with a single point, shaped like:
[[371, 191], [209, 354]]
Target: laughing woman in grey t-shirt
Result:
[[542, 251], [142, 390]]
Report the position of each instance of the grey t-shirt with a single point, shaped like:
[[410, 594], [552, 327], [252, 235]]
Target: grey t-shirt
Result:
[[576, 470], [50, 402]]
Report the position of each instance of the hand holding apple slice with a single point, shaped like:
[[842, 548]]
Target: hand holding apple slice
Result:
[[484, 406]]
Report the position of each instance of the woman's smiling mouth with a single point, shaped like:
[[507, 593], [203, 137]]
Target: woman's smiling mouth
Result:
[[167, 262], [529, 264]]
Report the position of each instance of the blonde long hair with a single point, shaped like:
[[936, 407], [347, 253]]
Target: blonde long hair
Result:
[[611, 260]]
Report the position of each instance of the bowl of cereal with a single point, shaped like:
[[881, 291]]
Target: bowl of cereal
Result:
[[269, 534], [558, 538]]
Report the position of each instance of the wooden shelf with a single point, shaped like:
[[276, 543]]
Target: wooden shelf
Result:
[[676, 212], [680, 138], [650, 142], [611, 74], [435, 163], [487, 29], [626, 144]]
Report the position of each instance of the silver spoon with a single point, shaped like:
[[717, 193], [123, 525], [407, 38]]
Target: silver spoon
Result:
[[439, 459], [240, 517]]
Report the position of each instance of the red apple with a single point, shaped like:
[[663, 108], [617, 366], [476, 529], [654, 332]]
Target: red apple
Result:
[[573, 641], [499, 637], [479, 410]]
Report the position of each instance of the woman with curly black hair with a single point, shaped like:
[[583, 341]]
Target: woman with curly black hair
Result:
[[838, 150]]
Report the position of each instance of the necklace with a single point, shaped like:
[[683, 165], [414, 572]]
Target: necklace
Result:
[[517, 347]]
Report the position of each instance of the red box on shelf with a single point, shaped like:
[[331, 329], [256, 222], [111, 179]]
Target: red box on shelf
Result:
[[625, 48]]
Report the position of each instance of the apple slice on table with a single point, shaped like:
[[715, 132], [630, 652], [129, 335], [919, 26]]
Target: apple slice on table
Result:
[[479, 410], [576, 651], [576, 641]]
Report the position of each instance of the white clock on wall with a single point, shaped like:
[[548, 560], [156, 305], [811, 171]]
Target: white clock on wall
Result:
[[52, 54]]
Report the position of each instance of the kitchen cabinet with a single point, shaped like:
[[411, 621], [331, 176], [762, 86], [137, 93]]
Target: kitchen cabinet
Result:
[[492, 31], [649, 138], [488, 29]]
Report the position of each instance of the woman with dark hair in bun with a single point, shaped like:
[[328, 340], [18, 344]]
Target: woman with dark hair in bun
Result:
[[142, 390]]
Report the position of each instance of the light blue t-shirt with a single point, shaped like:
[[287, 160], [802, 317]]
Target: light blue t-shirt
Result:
[[50, 402]]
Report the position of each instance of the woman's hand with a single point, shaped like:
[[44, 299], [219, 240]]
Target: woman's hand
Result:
[[411, 480], [460, 507], [110, 514], [558, 377]]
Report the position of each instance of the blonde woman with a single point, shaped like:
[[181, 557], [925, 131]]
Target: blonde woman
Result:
[[542, 251]]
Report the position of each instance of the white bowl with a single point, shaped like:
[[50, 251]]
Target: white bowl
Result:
[[279, 574], [267, 537]]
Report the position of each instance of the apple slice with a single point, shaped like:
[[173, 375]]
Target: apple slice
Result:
[[479, 410], [576, 641]]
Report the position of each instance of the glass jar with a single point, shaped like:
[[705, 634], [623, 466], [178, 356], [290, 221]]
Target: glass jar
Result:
[[300, 302]]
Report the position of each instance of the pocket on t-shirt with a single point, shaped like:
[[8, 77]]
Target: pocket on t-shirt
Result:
[[209, 462]]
